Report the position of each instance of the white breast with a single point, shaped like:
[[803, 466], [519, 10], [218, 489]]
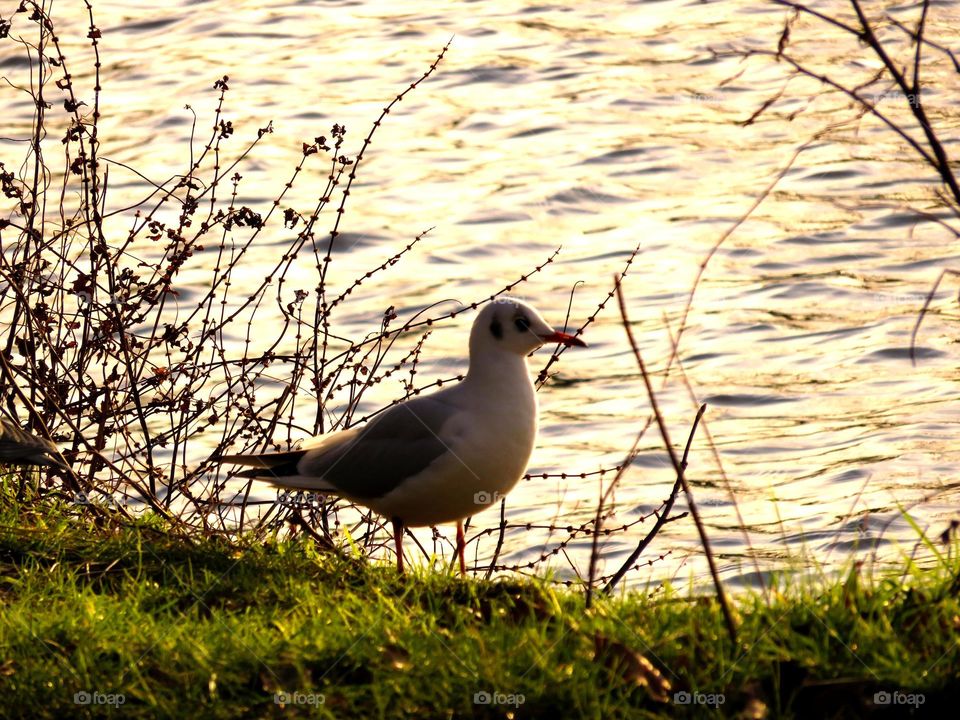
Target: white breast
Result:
[[489, 443]]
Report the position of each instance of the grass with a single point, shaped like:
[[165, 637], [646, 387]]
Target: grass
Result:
[[205, 628]]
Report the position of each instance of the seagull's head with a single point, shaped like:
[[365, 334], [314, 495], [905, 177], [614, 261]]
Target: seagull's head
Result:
[[512, 326]]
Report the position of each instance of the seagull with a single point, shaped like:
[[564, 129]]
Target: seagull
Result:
[[434, 458], [18, 447]]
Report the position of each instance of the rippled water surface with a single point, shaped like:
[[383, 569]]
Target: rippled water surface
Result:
[[597, 128]]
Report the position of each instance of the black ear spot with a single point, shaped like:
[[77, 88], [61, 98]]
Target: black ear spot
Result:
[[522, 323], [496, 329]]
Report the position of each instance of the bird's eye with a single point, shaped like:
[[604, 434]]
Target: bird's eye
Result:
[[522, 324]]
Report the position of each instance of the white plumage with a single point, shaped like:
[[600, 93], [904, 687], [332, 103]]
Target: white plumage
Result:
[[440, 457]]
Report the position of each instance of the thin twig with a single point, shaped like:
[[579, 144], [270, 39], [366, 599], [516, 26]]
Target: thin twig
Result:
[[678, 467], [661, 516]]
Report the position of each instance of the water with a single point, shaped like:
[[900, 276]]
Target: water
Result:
[[598, 129]]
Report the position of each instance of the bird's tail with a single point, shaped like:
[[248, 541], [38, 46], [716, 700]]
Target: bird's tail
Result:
[[272, 467], [46, 460]]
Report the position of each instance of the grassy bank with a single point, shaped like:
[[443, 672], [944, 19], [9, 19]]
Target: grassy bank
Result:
[[136, 623]]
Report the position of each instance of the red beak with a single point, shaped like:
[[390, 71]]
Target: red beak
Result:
[[563, 338]]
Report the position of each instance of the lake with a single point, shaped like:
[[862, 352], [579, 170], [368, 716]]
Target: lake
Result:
[[600, 129]]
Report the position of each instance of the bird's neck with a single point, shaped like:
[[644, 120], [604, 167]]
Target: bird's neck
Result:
[[497, 370], [500, 392]]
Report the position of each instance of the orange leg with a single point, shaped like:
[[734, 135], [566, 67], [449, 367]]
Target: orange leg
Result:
[[460, 548], [398, 541]]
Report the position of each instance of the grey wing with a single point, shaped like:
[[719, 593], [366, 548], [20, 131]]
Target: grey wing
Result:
[[395, 445]]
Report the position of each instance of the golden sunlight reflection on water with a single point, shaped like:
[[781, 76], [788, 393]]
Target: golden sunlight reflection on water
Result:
[[596, 129]]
